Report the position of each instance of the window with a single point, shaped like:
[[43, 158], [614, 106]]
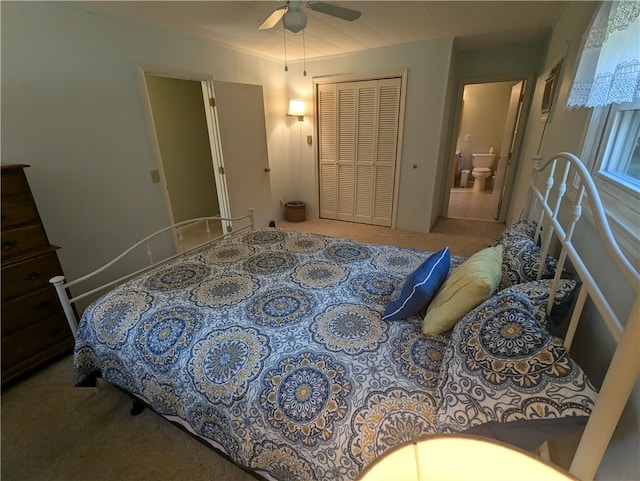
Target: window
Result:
[[613, 144], [607, 80], [621, 157]]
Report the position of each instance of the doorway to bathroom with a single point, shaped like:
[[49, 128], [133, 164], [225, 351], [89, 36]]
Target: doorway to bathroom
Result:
[[487, 140]]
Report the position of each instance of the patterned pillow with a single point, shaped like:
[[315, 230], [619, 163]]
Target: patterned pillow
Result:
[[522, 228], [538, 293], [503, 367], [419, 287], [521, 262], [467, 286]]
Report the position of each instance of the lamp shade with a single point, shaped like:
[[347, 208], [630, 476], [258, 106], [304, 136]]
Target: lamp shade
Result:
[[296, 108], [461, 458]]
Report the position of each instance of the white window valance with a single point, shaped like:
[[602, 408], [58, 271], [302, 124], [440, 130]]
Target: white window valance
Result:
[[609, 68]]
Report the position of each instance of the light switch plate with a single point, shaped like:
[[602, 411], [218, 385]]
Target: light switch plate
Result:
[[155, 176]]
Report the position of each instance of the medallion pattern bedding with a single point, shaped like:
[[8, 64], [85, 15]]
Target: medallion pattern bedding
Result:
[[271, 347]]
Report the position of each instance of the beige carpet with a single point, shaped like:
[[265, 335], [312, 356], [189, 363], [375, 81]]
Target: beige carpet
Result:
[[464, 237], [52, 431]]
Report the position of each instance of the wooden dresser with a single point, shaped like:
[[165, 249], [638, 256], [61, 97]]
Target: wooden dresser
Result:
[[34, 328]]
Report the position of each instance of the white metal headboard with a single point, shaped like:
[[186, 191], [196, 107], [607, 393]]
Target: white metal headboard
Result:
[[62, 287], [623, 371]]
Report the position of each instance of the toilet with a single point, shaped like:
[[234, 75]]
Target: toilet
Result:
[[482, 164]]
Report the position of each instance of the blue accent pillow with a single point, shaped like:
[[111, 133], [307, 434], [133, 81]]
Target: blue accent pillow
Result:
[[419, 287]]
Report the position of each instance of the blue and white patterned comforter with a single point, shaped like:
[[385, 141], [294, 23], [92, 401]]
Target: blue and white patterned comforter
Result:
[[270, 346]]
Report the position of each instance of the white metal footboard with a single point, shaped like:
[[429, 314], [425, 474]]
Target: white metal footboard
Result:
[[177, 229], [624, 368]]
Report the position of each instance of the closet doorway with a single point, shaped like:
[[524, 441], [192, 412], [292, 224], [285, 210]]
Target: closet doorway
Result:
[[359, 130], [489, 122]]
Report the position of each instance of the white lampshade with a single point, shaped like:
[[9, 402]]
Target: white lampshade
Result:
[[461, 458], [296, 108]]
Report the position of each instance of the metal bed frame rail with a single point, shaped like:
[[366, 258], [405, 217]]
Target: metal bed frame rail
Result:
[[62, 287], [624, 368]]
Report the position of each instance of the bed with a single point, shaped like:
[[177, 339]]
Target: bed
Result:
[[301, 356]]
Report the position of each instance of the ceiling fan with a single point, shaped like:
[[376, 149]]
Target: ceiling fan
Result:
[[294, 19]]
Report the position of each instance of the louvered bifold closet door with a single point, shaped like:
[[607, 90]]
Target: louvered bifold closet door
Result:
[[386, 150], [328, 152], [358, 157], [337, 134], [367, 113], [346, 107]]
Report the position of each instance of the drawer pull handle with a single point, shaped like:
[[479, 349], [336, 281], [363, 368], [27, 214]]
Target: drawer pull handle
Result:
[[53, 332], [6, 245], [32, 276], [41, 305]]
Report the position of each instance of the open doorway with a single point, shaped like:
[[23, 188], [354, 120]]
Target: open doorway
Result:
[[485, 144], [187, 168]]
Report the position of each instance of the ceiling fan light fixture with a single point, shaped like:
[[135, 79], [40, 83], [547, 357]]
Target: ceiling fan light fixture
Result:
[[294, 20]]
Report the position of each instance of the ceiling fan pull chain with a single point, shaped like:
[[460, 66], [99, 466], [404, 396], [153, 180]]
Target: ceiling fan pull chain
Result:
[[284, 39], [304, 56]]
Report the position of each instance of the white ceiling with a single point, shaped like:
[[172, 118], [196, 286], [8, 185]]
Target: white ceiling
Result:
[[382, 23]]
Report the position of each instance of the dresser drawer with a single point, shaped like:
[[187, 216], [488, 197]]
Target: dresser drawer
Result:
[[17, 210], [27, 276], [30, 309], [16, 242], [14, 181], [35, 343]]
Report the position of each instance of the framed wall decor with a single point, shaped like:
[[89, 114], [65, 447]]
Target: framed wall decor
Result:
[[550, 87]]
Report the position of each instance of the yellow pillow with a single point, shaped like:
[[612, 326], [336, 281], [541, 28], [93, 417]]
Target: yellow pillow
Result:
[[468, 286]]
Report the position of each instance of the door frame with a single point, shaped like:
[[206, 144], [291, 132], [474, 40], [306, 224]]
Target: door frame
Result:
[[402, 74], [447, 180], [206, 82], [512, 126], [211, 114]]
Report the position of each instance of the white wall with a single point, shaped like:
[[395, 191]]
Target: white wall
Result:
[[565, 129], [72, 108], [565, 132], [428, 77]]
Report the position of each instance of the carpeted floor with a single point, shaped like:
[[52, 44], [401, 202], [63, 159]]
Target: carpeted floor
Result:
[[464, 237], [52, 431]]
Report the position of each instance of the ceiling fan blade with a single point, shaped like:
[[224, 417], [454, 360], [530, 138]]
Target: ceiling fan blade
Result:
[[272, 19], [334, 10]]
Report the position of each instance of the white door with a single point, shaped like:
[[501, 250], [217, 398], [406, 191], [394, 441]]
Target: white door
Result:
[[506, 149], [328, 150], [345, 161], [243, 155], [386, 151], [358, 136]]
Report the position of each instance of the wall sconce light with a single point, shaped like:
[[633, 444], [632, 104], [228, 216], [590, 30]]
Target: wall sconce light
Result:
[[296, 109]]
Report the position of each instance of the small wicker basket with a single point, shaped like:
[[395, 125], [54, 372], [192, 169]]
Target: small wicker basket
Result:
[[294, 211]]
